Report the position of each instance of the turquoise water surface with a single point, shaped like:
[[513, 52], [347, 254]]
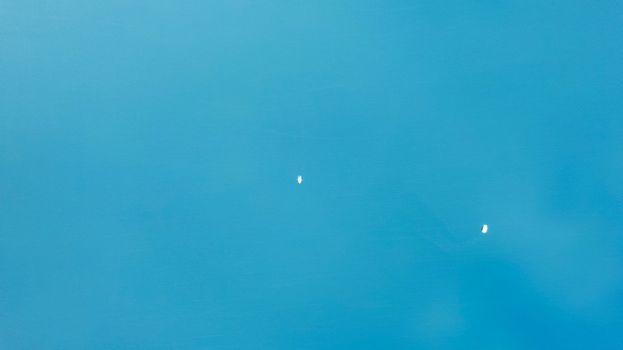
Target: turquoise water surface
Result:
[[149, 154]]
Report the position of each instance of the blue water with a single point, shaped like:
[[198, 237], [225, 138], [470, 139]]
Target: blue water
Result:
[[149, 153]]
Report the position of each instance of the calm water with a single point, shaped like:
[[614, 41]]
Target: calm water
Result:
[[149, 153]]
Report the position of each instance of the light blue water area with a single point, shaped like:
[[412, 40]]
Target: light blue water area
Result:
[[149, 152]]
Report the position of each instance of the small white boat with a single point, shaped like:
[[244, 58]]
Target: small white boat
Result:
[[299, 179], [485, 228]]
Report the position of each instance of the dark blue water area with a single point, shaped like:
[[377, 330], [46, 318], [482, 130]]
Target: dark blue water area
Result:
[[149, 154]]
